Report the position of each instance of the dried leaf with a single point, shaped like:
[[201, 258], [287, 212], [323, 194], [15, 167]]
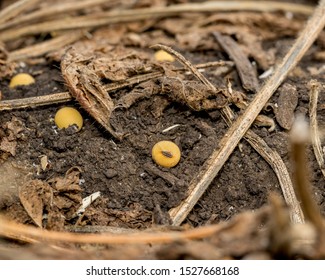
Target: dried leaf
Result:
[[286, 105], [15, 127], [244, 67], [34, 195], [8, 146], [10, 132], [85, 86], [135, 216], [7, 68], [67, 193], [144, 90], [86, 65], [59, 197], [194, 94], [44, 162]]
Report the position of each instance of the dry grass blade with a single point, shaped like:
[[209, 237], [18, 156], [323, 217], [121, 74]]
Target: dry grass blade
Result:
[[315, 87], [229, 142], [46, 46], [299, 139], [96, 20], [52, 10], [15, 9]]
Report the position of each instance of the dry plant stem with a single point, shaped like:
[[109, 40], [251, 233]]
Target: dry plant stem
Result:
[[299, 140], [238, 129], [229, 64], [15, 9], [99, 229], [46, 46], [21, 238], [119, 230], [280, 226], [31, 102], [10, 228], [25, 232], [315, 87], [320, 55], [101, 19], [52, 10]]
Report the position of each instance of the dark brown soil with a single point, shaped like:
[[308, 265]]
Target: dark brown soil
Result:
[[124, 172]]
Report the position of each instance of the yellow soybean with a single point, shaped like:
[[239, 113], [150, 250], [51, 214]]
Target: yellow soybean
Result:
[[162, 55], [166, 153], [21, 79], [68, 116]]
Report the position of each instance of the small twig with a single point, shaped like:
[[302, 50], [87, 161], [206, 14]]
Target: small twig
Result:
[[320, 55], [315, 87], [31, 102], [123, 237], [231, 139], [15, 9], [100, 229], [220, 63], [101, 19], [166, 176], [299, 139], [21, 238], [55, 9]]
